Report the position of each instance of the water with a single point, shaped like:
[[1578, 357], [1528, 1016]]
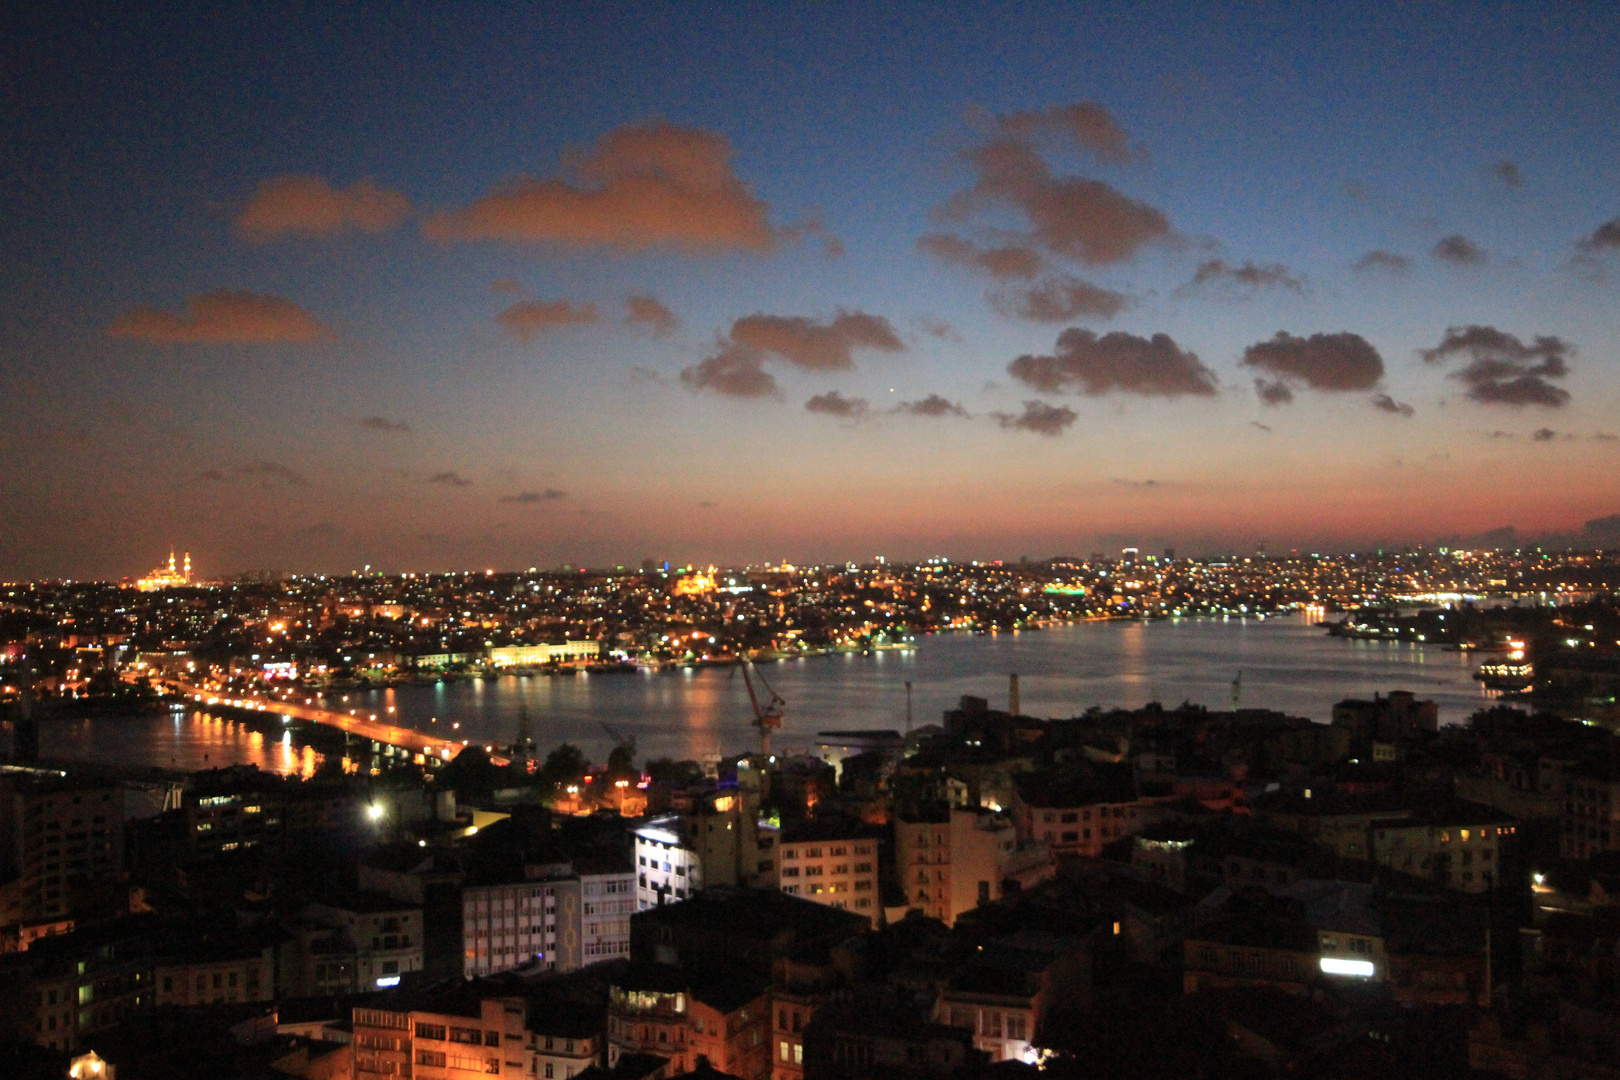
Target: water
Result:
[[1288, 663]]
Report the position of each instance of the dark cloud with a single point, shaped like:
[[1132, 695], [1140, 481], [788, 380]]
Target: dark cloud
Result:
[[1502, 370], [1499, 434], [1085, 363], [382, 423], [449, 479], [738, 370], [1458, 250], [938, 328], [642, 186], [1039, 417], [1604, 436], [224, 317], [735, 372], [1384, 260], [1273, 392], [310, 205], [833, 403], [1605, 237], [1331, 362], [1087, 124], [932, 405], [1013, 262], [529, 318], [1120, 481], [642, 376], [646, 311], [1603, 532], [1544, 435], [1385, 403], [1075, 217], [1508, 172], [1263, 427], [529, 498], [1059, 299], [270, 470], [1219, 277]]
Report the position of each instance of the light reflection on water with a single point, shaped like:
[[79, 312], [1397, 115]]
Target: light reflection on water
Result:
[[185, 741], [1288, 664]]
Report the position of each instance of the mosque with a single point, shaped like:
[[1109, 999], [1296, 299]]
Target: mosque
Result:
[[166, 577]]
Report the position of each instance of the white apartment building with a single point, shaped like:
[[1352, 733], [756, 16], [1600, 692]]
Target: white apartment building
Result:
[[667, 868]]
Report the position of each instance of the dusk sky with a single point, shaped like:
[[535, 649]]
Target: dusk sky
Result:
[[450, 286]]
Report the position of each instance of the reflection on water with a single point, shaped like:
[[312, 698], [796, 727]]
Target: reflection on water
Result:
[[1288, 664], [185, 741]]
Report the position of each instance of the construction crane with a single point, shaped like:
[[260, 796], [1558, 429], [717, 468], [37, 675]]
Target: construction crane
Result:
[[767, 716]]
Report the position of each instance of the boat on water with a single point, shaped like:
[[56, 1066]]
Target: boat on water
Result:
[[1510, 675]]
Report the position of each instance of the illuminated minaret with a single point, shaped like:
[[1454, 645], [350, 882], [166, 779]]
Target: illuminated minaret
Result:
[[187, 574], [171, 560]]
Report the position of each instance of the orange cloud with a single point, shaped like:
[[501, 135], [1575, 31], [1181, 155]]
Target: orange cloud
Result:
[[312, 206], [649, 312], [533, 317], [642, 186], [1087, 123], [224, 317]]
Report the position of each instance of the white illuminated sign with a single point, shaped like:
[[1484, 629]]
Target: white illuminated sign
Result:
[[1361, 968], [393, 980]]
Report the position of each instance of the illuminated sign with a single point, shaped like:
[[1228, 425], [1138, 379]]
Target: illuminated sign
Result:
[[388, 980], [1360, 968]]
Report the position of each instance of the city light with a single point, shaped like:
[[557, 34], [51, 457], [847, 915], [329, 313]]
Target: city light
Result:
[[1360, 968]]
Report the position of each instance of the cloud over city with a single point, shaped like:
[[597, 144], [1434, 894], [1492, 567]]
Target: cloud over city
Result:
[[1503, 370]]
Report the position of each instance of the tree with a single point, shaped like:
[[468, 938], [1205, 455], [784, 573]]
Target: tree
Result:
[[564, 765]]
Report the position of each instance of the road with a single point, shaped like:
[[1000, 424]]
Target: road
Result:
[[404, 737]]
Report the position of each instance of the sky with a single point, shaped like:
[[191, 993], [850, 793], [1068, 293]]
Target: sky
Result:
[[423, 287]]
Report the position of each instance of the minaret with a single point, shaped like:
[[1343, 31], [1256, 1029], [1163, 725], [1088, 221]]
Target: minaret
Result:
[[188, 567], [171, 560]]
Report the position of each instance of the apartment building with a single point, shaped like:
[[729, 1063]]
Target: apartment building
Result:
[[560, 916], [661, 1009], [950, 860], [446, 1037], [834, 862], [377, 940], [55, 830]]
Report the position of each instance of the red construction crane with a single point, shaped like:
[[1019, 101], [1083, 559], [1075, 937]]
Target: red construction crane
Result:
[[766, 716]]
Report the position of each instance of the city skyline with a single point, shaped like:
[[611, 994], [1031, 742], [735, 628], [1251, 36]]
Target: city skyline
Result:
[[523, 287]]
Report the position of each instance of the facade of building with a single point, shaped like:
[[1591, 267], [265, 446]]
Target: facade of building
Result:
[[530, 655], [657, 1009], [558, 916], [1079, 821], [951, 861], [1459, 847], [668, 867], [378, 939], [1004, 996], [53, 832], [832, 863], [443, 1042]]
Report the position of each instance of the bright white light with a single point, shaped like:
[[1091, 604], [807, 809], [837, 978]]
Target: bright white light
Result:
[[1361, 968], [388, 980], [374, 812]]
